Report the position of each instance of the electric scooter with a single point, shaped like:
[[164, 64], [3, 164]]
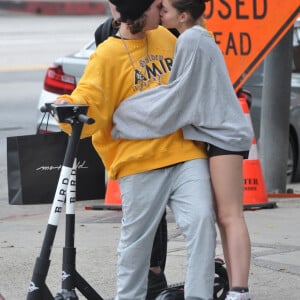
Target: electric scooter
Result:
[[75, 115]]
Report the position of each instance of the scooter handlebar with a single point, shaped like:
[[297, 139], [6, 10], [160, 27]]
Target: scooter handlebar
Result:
[[68, 113], [44, 109], [85, 119]]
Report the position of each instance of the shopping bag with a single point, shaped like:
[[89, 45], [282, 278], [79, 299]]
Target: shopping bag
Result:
[[34, 163]]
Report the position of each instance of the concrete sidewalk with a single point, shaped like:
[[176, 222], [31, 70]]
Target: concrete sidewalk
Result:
[[275, 267]]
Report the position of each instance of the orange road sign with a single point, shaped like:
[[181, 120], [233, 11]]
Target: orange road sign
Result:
[[247, 30]]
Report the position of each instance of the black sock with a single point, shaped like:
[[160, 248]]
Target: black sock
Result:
[[240, 289]]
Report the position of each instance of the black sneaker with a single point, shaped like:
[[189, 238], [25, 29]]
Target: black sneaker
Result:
[[156, 283]]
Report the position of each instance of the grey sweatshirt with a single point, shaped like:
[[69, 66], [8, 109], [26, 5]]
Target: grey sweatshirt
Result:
[[199, 99]]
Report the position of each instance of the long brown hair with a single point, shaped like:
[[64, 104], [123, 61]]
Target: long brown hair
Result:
[[195, 8]]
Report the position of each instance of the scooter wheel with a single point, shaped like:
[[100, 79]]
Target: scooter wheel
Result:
[[171, 294], [221, 284]]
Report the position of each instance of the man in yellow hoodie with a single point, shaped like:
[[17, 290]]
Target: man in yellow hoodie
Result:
[[151, 173]]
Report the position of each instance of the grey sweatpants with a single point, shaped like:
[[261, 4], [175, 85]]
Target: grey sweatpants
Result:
[[186, 188]]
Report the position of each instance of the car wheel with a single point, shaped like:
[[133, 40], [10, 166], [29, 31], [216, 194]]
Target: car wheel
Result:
[[291, 161]]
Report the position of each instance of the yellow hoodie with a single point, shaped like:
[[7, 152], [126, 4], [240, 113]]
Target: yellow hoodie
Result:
[[119, 69]]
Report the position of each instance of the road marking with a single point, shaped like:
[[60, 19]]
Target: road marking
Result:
[[23, 68]]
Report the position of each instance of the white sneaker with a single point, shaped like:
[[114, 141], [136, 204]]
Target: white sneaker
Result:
[[231, 295]]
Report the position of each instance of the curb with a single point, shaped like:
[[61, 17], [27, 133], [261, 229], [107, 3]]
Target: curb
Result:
[[56, 7]]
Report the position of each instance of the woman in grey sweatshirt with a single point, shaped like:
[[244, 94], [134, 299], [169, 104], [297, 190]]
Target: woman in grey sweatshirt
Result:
[[200, 99]]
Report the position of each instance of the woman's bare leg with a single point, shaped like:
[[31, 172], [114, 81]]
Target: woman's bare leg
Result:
[[227, 181]]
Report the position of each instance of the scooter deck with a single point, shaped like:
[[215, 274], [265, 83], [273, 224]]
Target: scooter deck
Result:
[[179, 285]]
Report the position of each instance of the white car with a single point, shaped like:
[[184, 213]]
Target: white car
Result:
[[61, 79]]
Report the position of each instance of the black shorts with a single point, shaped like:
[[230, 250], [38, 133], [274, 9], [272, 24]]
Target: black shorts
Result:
[[215, 151]]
